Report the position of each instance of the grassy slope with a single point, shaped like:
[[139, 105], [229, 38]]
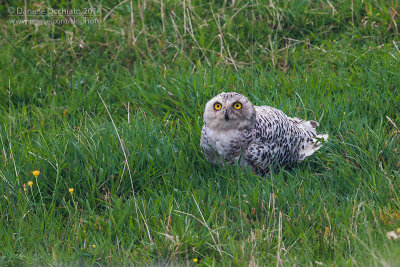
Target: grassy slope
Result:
[[324, 61]]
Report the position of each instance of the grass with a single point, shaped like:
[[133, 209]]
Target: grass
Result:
[[114, 111]]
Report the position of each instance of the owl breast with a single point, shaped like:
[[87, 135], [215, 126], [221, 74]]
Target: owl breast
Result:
[[226, 145]]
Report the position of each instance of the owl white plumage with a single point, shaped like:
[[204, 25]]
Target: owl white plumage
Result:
[[261, 137]]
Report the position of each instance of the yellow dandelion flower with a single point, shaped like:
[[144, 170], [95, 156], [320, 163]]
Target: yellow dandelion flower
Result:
[[36, 173], [71, 191], [30, 183], [94, 245], [195, 260]]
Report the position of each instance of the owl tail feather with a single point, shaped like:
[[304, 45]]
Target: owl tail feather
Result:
[[308, 148], [313, 140]]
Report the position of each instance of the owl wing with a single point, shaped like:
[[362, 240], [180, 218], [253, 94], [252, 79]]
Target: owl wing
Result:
[[279, 140], [272, 125], [276, 140], [271, 145]]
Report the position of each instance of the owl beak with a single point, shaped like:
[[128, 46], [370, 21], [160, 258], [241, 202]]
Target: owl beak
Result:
[[226, 116]]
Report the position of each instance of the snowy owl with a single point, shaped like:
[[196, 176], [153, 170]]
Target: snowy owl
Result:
[[261, 137]]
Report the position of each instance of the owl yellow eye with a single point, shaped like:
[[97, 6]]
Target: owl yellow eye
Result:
[[217, 106], [237, 105]]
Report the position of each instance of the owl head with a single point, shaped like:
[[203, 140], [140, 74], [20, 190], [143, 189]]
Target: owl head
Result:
[[229, 111]]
